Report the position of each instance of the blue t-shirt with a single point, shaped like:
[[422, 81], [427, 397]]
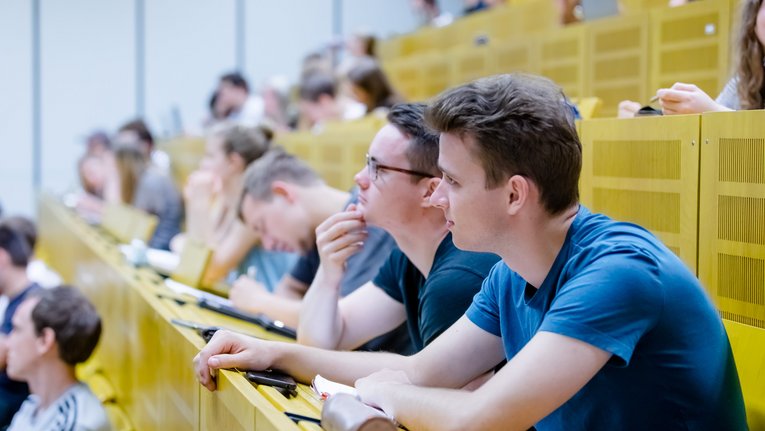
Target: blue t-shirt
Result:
[[12, 393], [615, 286], [270, 266], [434, 303]]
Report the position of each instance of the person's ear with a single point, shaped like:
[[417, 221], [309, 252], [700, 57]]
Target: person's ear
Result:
[[46, 341], [5, 258], [284, 190], [237, 161], [517, 190], [430, 185]]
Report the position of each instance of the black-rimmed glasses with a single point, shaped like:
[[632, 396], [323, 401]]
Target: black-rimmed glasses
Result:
[[373, 167]]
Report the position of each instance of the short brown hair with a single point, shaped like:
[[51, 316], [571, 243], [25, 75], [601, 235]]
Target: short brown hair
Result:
[[72, 318], [276, 165], [520, 125], [422, 150]]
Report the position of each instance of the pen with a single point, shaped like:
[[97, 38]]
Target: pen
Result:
[[297, 418]]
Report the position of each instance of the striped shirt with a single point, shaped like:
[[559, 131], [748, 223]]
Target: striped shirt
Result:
[[77, 409]]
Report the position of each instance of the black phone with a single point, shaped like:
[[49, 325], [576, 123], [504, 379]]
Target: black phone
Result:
[[284, 383]]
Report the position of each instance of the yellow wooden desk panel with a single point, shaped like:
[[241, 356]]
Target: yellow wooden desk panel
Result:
[[747, 343], [146, 358], [731, 214], [693, 39], [646, 171]]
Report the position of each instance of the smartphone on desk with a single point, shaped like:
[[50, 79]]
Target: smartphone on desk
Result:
[[284, 383]]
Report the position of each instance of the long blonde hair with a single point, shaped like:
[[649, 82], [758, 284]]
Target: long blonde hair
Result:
[[750, 70], [131, 164]]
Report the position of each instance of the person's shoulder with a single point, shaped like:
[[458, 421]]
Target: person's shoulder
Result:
[[597, 232], [91, 415], [450, 259]]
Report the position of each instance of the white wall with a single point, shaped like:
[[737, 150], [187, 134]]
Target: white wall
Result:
[[280, 33], [87, 53], [16, 193], [88, 59], [189, 44]]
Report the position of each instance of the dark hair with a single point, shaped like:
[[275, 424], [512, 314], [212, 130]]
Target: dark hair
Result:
[[72, 318], [24, 226], [250, 143], [236, 79], [369, 44], [519, 125], [276, 165], [367, 75], [422, 151], [139, 127], [316, 84], [15, 244]]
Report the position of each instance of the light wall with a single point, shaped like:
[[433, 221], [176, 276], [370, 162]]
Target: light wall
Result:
[[71, 67]]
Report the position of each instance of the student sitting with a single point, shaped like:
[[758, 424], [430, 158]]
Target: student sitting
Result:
[[746, 90], [54, 330], [147, 188], [212, 195], [602, 325], [284, 201]]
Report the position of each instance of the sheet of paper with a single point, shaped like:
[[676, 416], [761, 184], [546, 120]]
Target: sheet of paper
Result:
[[326, 388]]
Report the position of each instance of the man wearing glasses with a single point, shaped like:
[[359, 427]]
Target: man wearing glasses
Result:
[[427, 282]]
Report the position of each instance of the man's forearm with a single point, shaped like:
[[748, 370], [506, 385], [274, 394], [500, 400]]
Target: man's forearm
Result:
[[304, 363], [279, 308], [321, 324], [424, 408]]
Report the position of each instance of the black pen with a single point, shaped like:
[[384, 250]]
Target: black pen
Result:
[[297, 418]]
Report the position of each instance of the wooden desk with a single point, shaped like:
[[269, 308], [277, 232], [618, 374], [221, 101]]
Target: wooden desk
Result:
[[147, 358]]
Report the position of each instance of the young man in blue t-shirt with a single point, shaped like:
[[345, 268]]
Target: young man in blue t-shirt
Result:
[[603, 327]]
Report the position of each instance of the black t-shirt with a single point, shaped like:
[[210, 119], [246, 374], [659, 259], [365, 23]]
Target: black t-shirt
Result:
[[435, 303]]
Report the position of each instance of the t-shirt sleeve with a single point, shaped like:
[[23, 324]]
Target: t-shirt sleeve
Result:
[[611, 303], [484, 310], [306, 267], [729, 95], [390, 276], [448, 296]]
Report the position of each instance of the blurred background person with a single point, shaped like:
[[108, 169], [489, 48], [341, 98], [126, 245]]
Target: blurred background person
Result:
[[212, 195], [145, 187]]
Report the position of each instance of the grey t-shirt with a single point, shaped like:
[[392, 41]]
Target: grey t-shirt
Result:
[[77, 409], [729, 96], [156, 194]]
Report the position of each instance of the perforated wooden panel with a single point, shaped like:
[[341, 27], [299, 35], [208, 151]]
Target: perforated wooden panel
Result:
[[618, 69], [563, 57], [437, 74], [300, 144], [406, 76], [470, 63], [517, 55], [690, 44], [732, 214], [341, 150], [645, 171]]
